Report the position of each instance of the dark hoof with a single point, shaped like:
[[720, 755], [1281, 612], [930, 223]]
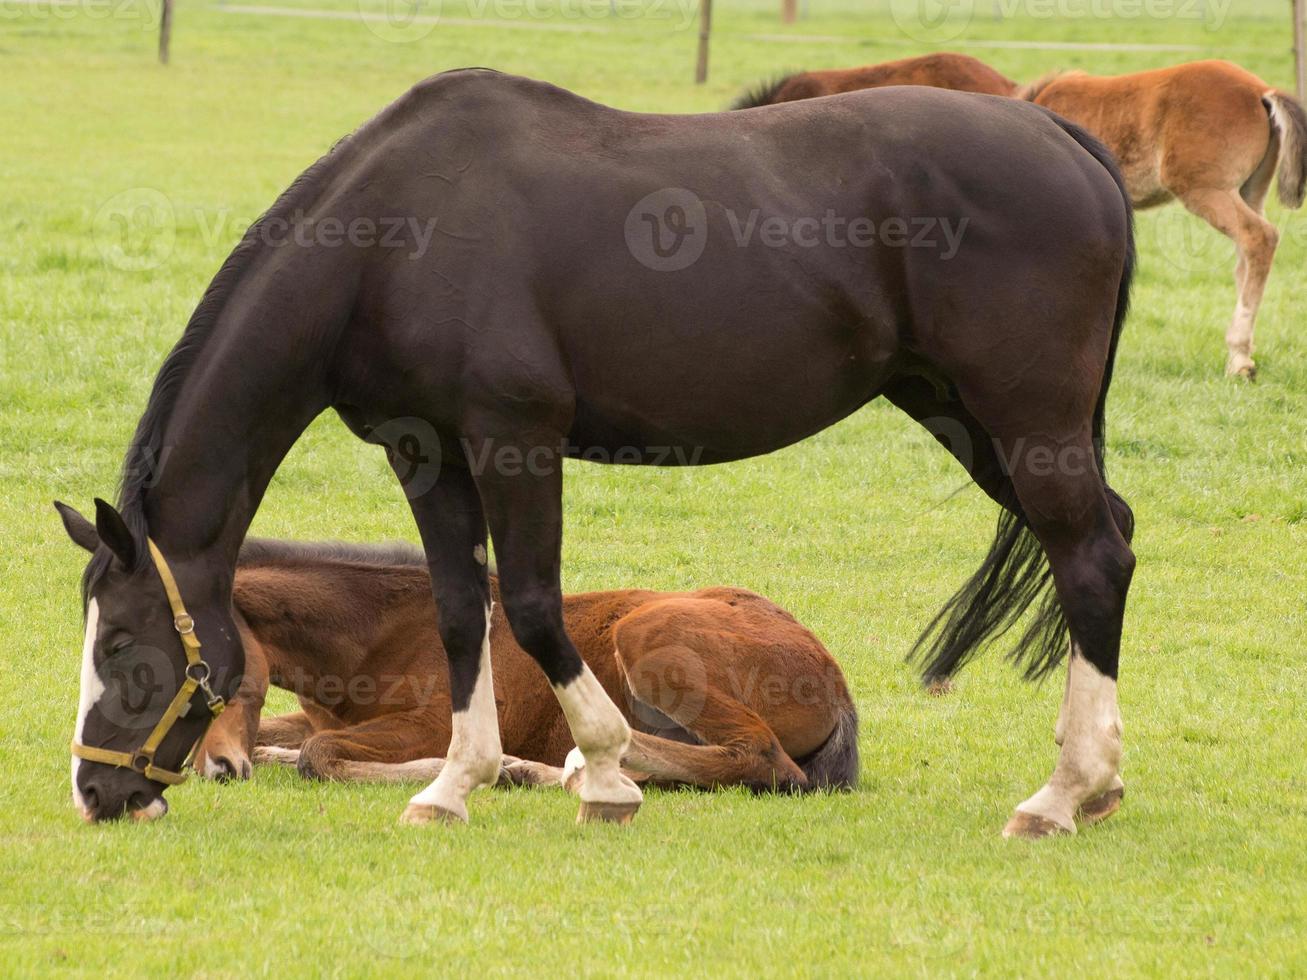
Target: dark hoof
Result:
[[618, 813], [937, 687], [1030, 826], [420, 814], [1101, 807]]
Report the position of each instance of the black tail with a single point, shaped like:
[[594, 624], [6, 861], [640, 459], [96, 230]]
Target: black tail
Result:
[[763, 93], [834, 764], [1015, 574]]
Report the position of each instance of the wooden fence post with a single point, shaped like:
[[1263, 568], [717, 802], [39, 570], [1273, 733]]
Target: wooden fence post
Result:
[[165, 31], [705, 31], [1299, 55]]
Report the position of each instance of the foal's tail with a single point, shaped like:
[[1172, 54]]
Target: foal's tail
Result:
[[1290, 122], [834, 764], [1015, 574]]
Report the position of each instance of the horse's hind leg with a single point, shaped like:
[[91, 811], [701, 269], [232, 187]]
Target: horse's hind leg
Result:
[[449, 517], [1068, 507], [686, 666], [525, 510], [1084, 529], [1256, 240]]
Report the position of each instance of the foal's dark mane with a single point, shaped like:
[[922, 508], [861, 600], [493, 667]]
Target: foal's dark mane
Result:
[[145, 452], [762, 93], [264, 552]]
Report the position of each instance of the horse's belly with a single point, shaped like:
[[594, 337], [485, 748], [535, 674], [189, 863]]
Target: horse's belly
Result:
[[729, 408]]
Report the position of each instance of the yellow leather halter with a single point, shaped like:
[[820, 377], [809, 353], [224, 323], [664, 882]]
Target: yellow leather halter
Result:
[[197, 678]]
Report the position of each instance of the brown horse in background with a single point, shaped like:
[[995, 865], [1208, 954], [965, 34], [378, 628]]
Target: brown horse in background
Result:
[[944, 69], [720, 686], [1210, 134]]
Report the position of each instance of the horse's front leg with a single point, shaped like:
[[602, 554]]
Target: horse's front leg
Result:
[[453, 531], [525, 510]]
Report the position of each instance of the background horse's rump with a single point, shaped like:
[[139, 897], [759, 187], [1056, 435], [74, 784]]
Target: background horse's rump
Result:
[[943, 69]]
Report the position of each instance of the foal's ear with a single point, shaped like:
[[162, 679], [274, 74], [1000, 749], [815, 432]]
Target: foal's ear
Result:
[[112, 529], [78, 527]]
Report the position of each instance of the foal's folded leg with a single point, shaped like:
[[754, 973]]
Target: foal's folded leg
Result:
[[391, 740], [284, 731]]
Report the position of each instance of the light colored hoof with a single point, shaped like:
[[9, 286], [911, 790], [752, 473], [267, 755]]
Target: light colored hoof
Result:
[[417, 814], [1031, 826], [1101, 807], [618, 813], [574, 772], [1246, 370]]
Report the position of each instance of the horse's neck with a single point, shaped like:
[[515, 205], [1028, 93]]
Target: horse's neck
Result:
[[250, 394]]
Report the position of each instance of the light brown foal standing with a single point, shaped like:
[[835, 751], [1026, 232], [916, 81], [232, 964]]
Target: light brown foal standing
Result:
[[720, 686], [1210, 134]]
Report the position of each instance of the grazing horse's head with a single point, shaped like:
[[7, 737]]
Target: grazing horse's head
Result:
[[148, 689]]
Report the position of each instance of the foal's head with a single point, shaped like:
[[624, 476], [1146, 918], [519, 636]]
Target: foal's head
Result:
[[148, 689]]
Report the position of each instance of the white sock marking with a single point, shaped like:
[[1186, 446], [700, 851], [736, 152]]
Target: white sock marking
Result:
[[1090, 731], [475, 752], [92, 688], [601, 735]]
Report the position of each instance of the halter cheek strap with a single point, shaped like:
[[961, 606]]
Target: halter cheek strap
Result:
[[196, 679]]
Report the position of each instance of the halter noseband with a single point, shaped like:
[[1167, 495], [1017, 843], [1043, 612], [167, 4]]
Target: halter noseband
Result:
[[197, 678]]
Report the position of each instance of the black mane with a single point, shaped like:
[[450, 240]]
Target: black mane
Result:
[[145, 452]]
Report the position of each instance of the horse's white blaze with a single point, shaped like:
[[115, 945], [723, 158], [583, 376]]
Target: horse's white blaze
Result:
[[474, 750], [92, 688], [601, 735], [1089, 730]]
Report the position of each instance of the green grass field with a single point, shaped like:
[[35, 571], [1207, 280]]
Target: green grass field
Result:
[[858, 531]]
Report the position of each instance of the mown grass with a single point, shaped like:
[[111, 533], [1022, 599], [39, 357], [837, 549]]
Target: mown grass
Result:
[[858, 531]]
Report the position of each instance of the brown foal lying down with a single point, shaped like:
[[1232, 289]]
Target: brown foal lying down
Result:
[[720, 686]]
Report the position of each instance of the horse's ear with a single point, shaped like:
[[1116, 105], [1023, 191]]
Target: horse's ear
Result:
[[78, 527], [112, 529]]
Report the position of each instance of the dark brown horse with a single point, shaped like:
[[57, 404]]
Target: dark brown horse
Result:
[[943, 69], [720, 686], [494, 274]]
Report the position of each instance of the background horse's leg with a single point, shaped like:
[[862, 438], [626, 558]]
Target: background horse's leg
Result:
[[1256, 239], [453, 530], [525, 508]]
